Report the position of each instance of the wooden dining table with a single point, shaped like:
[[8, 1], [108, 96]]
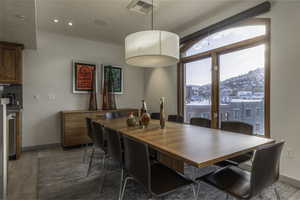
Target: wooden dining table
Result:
[[194, 145]]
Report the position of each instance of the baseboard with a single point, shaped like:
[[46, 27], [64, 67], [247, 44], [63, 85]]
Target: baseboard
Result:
[[285, 179], [40, 147], [290, 181]]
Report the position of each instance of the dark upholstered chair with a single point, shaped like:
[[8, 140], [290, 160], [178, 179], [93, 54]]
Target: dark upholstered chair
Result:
[[95, 133], [237, 127], [157, 179], [90, 135], [244, 185], [109, 115], [198, 121], [155, 115], [175, 118], [115, 151]]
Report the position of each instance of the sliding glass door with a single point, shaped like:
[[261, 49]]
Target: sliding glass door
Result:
[[198, 83]]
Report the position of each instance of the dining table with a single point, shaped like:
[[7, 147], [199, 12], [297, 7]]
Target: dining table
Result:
[[190, 144]]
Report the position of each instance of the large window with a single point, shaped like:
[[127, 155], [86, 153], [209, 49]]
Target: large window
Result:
[[226, 77]]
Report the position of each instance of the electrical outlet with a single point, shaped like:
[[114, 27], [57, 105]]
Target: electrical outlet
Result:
[[36, 97], [290, 153], [51, 96]]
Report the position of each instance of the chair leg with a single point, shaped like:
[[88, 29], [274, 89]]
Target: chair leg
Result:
[[227, 196], [277, 193], [104, 173], [124, 187], [91, 162], [84, 153], [195, 189], [121, 183]]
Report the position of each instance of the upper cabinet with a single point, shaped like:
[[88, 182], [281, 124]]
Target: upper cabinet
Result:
[[11, 63]]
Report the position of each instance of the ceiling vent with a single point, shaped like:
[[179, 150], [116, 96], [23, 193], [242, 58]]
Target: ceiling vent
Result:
[[141, 6]]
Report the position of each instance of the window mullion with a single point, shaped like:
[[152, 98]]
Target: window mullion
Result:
[[215, 91]]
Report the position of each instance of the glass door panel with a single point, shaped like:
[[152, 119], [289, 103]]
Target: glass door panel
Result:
[[242, 87], [198, 84]]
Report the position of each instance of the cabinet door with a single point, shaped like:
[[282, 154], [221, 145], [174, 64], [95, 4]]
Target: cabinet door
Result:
[[10, 65]]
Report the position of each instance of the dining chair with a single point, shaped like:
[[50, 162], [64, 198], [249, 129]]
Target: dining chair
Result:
[[242, 184], [199, 121], [115, 153], [99, 143], [238, 127], [109, 115], [175, 118], [157, 179], [155, 116], [90, 135]]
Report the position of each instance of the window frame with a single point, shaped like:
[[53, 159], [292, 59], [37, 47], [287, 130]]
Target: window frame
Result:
[[215, 56]]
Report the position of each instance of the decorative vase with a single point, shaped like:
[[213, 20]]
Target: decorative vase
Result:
[[93, 96], [145, 119], [131, 120], [162, 113]]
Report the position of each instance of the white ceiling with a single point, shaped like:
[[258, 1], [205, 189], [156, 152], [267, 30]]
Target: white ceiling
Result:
[[109, 20], [18, 22]]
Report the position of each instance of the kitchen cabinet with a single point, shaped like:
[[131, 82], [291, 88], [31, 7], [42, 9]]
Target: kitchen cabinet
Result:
[[11, 61]]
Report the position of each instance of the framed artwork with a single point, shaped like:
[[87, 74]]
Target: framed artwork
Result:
[[83, 76], [117, 76]]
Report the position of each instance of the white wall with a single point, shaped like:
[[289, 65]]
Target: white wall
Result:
[[285, 70], [161, 82], [48, 71]]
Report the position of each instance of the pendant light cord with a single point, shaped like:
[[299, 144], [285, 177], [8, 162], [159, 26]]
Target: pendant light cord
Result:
[[152, 19]]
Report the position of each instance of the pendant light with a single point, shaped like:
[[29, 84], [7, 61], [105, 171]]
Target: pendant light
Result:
[[152, 48]]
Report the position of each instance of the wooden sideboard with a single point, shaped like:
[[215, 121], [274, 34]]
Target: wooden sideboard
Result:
[[74, 130]]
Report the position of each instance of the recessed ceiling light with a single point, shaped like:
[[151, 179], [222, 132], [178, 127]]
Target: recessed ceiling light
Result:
[[55, 20], [70, 23]]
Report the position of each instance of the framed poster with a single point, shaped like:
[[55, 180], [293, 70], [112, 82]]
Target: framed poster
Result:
[[117, 77], [83, 76]]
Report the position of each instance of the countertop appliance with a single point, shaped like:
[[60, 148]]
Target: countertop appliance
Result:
[[3, 148]]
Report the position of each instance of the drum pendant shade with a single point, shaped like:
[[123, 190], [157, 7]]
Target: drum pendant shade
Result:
[[152, 48]]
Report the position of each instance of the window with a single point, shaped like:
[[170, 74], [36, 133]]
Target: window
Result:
[[226, 37], [248, 113], [226, 74], [236, 114]]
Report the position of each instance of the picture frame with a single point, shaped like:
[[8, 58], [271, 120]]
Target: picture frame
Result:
[[83, 76], [118, 77]]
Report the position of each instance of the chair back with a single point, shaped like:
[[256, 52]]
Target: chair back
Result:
[[237, 127], [175, 118], [114, 146], [116, 114], [89, 128], [155, 115], [137, 162], [109, 115], [199, 121], [98, 135], [265, 167]]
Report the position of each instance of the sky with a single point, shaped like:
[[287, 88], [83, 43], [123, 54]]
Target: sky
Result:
[[231, 64]]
